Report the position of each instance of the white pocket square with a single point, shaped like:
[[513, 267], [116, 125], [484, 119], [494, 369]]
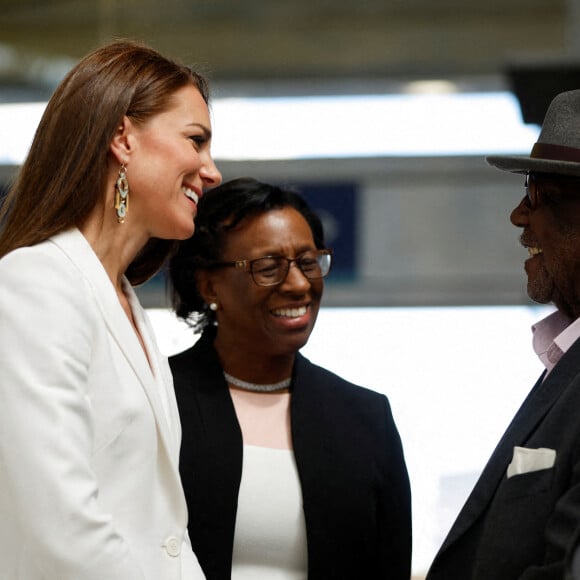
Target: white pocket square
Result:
[[526, 460]]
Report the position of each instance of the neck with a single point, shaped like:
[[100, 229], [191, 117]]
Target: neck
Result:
[[253, 366], [113, 243]]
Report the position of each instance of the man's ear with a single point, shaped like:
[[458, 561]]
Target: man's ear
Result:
[[122, 144]]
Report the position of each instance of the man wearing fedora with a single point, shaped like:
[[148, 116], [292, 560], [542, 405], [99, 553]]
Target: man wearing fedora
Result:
[[521, 518]]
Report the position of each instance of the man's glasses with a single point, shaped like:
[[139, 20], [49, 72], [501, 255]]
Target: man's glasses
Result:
[[532, 193], [272, 270], [551, 187]]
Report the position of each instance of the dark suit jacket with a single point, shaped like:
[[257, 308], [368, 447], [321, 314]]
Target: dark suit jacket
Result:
[[519, 528], [350, 462], [573, 565]]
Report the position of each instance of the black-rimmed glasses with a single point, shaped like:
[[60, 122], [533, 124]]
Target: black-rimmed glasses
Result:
[[272, 270]]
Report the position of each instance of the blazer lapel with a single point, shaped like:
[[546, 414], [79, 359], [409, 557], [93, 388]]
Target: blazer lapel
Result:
[[156, 378], [75, 245], [217, 414], [535, 407]]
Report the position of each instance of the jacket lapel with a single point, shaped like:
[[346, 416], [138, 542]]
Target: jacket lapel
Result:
[[212, 454], [75, 245], [535, 407], [216, 409], [156, 378]]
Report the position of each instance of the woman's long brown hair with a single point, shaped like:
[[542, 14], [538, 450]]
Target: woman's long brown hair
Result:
[[64, 175]]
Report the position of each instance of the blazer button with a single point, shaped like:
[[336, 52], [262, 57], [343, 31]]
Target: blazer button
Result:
[[172, 546]]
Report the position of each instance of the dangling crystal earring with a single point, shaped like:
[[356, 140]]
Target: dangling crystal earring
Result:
[[122, 194]]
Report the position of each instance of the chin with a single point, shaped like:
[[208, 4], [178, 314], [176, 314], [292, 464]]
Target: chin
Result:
[[180, 233], [302, 342], [541, 288], [293, 346], [539, 297]]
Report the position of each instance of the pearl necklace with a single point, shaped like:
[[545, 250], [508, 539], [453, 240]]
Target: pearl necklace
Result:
[[258, 388]]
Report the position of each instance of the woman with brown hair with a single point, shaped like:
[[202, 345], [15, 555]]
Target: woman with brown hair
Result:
[[89, 429]]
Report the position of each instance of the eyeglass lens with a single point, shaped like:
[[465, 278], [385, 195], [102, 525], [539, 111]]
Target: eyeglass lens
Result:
[[273, 270], [531, 187]]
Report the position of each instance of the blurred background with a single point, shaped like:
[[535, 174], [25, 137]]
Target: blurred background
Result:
[[380, 112]]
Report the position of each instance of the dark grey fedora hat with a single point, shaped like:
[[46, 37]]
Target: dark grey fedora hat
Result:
[[558, 146]]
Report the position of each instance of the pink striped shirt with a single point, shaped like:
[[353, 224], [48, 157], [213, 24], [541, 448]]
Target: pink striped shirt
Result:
[[553, 336]]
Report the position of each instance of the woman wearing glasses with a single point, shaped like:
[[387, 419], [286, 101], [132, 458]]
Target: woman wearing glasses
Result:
[[290, 472]]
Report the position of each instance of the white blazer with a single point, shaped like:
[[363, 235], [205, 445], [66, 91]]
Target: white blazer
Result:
[[89, 431]]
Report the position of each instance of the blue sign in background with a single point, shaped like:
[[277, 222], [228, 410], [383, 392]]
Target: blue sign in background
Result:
[[336, 205]]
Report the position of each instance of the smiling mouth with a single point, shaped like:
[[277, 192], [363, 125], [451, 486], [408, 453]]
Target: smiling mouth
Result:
[[290, 312], [532, 251], [190, 194]]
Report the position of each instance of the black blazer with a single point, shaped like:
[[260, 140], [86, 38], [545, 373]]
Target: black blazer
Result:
[[350, 462], [520, 528]]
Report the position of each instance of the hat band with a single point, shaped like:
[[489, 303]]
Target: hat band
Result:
[[555, 152]]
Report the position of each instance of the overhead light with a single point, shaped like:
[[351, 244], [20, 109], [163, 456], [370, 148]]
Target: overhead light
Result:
[[370, 126], [408, 125], [431, 87]]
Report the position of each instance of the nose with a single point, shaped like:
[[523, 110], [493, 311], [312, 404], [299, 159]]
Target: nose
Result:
[[520, 215], [295, 280], [209, 173]]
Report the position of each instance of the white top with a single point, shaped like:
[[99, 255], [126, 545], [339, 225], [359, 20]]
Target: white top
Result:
[[270, 533]]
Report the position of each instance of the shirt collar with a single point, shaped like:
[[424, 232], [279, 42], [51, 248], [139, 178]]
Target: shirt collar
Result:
[[553, 336]]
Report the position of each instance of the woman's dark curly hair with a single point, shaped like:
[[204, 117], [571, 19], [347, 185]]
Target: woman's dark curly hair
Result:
[[219, 211]]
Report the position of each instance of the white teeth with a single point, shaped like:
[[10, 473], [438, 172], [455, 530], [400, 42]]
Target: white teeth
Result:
[[191, 194], [535, 251], [291, 312]]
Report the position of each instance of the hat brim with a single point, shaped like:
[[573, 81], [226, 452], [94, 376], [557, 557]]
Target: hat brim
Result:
[[523, 164]]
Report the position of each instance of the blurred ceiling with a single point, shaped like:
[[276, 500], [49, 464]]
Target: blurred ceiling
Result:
[[377, 42], [271, 47]]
